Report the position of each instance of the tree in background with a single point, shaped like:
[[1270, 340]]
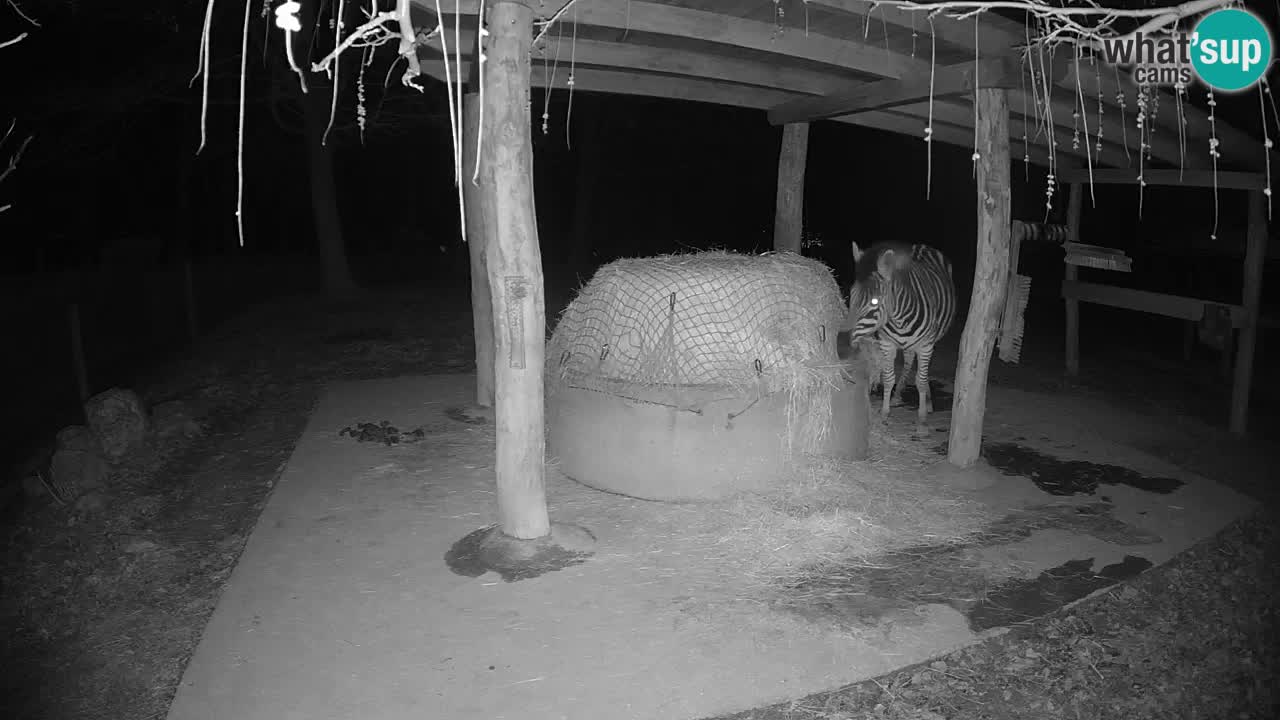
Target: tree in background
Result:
[[15, 156], [140, 104]]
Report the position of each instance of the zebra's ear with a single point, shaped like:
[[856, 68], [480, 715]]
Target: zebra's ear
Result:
[[857, 251], [886, 263]]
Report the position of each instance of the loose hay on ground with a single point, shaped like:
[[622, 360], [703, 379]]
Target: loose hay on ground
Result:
[[828, 513]]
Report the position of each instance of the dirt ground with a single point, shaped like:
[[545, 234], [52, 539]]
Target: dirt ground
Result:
[[102, 607]]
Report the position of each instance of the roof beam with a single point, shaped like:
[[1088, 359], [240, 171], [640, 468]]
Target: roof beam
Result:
[[1177, 178], [993, 38], [996, 35], [893, 121], [635, 56], [1163, 145], [1108, 82], [708, 91], [633, 15], [880, 94], [959, 114]]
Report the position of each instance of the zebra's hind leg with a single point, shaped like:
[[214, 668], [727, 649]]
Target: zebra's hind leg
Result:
[[908, 359], [888, 353], [923, 355]]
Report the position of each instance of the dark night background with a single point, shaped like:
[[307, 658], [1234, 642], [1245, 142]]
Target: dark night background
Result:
[[111, 196]]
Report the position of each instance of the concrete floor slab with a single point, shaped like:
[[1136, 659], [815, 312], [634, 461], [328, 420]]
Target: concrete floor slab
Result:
[[342, 605]]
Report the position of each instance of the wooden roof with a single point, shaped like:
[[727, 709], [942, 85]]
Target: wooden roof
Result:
[[743, 53]]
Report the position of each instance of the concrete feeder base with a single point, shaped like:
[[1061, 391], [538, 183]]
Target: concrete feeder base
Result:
[[658, 452]]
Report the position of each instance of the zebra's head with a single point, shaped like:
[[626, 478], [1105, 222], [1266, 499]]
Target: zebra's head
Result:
[[875, 269], [865, 308]]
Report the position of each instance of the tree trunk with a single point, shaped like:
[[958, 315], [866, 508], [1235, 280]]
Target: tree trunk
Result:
[[1254, 258], [788, 220], [990, 278], [1075, 205], [324, 195], [515, 273], [477, 241]]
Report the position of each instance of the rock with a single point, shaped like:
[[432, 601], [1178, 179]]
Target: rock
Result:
[[74, 472], [119, 421], [174, 419], [76, 437]]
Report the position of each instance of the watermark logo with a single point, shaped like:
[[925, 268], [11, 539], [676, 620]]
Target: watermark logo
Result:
[[1234, 49], [1228, 50]]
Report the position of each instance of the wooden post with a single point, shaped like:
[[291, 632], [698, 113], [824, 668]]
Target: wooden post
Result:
[[473, 196], [990, 278], [515, 272], [788, 218], [77, 352], [1226, 366], [1188, 339], [1075, 204], [1254, 257]]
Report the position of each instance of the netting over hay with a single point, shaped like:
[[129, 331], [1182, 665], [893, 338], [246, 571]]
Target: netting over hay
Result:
[[752, 324]]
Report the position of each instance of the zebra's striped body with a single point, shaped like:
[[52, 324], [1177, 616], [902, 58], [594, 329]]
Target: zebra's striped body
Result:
[[905, 296]]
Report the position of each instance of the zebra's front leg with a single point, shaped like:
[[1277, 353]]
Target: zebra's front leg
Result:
[[888, 351], [923, 355], [908, 359]]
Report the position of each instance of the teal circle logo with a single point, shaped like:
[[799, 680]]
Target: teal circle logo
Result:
[[1231, 49]]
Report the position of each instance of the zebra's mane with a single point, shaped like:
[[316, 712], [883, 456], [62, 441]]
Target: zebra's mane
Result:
[[871, 258]]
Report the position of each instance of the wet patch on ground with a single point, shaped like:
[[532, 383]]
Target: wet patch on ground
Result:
[[1018, 601], [1070, 477], [869, 591], [489, 549], [1067, 477]]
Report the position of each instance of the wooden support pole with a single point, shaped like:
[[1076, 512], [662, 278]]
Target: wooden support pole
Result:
[[1226, 368], [478, 240], [1075, 205], [788, 217], [1254, 257], [990, 278], [515, 272]]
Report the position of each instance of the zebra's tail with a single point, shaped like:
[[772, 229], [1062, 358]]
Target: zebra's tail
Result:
[[1041, 232]]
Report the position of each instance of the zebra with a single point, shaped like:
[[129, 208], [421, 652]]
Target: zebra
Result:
[[904, 296]]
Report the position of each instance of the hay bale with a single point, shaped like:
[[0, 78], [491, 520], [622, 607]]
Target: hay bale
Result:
[[709, 354], [714, 318]]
